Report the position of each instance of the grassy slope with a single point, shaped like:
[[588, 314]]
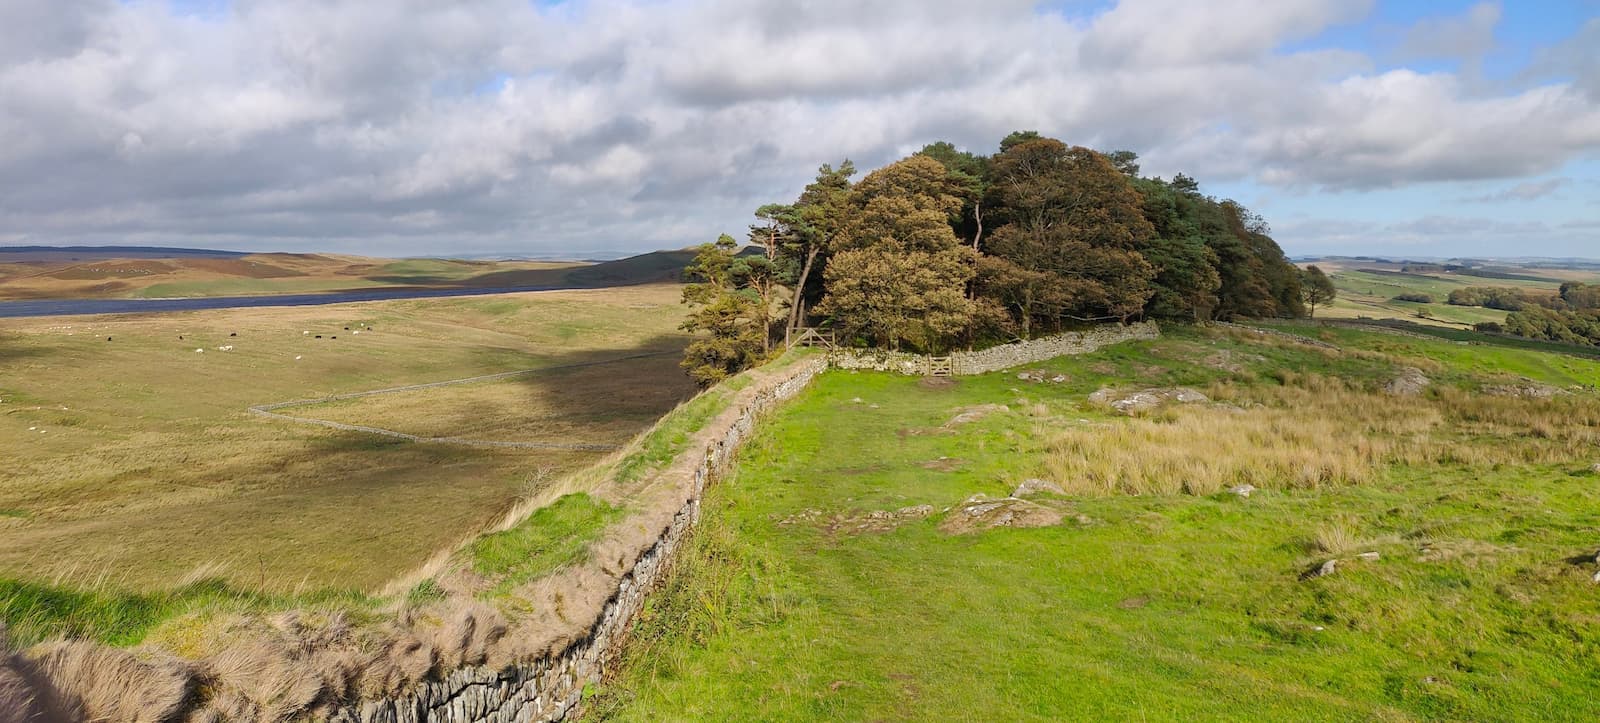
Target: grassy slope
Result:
[[1164, 606], [1363, 293], [141, 465], [1372, 295]]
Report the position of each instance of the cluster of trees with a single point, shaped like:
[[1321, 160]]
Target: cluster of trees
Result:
[[1573, 296], [949, 248], [1504, 298], [1572, 315], [1537, 322]]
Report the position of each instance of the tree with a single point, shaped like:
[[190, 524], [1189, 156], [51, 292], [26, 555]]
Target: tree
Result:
[[763, 274], [728, 317], [1316, 288], [1071, 215], [812, 223], [1257, 279], [968, 173], [1017, 138], [898, 274], [1186, 282], [1125, 161]]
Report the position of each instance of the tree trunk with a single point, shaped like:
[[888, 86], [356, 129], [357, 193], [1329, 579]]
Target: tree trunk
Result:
[[798, 302], [977, 212]]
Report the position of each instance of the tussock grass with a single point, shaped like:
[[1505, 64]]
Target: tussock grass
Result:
[[1309, 431], [1338, 536]]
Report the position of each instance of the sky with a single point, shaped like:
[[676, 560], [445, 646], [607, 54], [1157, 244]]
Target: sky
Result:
[[592, 128]]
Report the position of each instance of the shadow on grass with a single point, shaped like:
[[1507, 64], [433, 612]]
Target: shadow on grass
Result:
[[639, 383], [12, 349]]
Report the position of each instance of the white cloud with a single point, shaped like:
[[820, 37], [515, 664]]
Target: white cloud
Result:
[[1530, 191], [501, 125]]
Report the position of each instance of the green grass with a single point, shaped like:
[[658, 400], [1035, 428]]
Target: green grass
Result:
[[1161, 606], [552, 537], [1372, 295], [35, 611], [668, 439], [1473, 353]]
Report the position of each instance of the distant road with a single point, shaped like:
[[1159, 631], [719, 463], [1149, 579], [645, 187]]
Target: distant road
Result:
[[68, 307]]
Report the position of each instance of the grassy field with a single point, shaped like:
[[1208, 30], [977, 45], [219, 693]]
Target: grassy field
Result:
[[132, 465], [1368, 290], [1161, 595]]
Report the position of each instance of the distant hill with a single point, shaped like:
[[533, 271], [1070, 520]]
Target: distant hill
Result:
[[148, 272], [22, 254]]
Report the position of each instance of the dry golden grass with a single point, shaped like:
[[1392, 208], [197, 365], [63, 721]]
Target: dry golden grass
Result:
[[142, 464], [1313, 431]]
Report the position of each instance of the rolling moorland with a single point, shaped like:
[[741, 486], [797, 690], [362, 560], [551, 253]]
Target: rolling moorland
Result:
[[123, 475], [117, 273]]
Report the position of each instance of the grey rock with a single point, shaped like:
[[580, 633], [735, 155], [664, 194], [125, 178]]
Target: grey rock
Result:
[[1324, 570], [1146, 399], [1410, 382], [1034, 486]]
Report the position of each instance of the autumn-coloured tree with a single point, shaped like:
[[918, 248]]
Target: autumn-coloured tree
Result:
[[1073, 216], [898, 275], [950, 248]]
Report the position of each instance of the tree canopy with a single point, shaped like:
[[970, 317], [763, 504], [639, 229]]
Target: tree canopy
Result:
[[949, 248]]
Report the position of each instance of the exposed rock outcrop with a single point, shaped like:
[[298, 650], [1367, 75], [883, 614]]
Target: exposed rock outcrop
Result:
[[980, 512], [1409, 383], [1146, 399]]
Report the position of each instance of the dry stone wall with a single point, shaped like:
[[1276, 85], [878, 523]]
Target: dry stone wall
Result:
[[550, 689], [1000, 357]]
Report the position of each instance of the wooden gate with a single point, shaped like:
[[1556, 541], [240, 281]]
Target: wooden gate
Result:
[[812, 337]]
